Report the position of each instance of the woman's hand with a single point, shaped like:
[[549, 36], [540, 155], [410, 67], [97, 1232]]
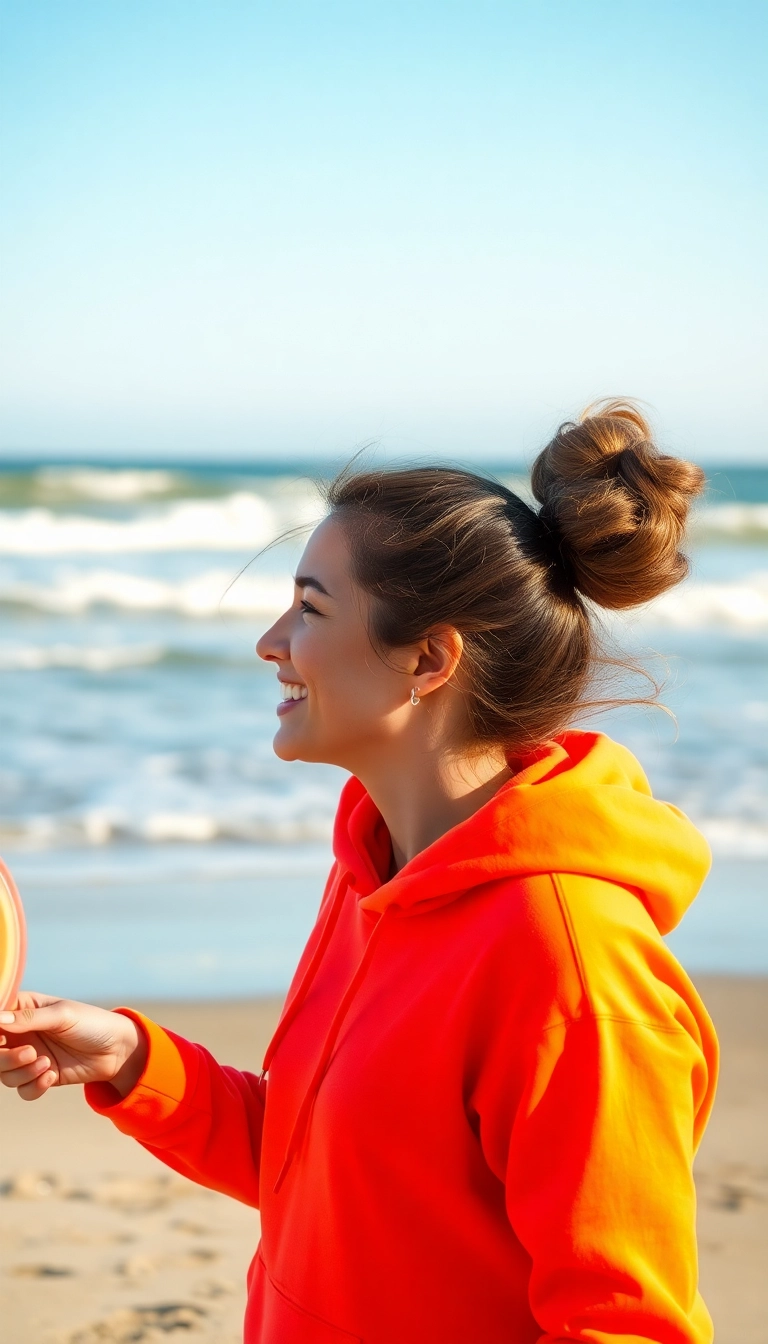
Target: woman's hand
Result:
[[50, 1042]]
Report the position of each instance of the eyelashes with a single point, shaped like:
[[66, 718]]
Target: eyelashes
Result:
[[307, 606]]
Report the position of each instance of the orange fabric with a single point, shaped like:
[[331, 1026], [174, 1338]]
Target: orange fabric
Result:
[[161, 1088], [487, 1085]]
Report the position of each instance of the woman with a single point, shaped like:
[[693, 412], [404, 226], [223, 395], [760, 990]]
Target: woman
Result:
[[476, 1120]]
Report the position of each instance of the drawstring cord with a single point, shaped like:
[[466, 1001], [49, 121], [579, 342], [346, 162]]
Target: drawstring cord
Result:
[[305, 1110], [303, 988]]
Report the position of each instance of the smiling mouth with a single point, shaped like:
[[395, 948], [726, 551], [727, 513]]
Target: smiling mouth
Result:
[[292, 690]]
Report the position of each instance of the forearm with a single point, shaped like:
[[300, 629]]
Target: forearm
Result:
[[201, 1118]]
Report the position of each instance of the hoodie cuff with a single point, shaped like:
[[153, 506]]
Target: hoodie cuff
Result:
[[169, 1076]]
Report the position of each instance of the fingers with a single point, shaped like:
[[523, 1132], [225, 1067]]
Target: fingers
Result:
[[29, 998], [23, 1067], [38, 1088]]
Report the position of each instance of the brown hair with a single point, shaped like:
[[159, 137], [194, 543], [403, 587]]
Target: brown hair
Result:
[[442, 546]]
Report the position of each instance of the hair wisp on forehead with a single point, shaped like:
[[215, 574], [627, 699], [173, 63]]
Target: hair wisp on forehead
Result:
[[442, 546]]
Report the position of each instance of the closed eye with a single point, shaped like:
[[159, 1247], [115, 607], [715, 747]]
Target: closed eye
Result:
[[307, 606]]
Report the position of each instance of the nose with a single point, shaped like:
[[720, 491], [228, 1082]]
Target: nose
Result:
[[274, 646]]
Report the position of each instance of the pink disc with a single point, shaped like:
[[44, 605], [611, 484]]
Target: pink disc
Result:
[[13, 939]]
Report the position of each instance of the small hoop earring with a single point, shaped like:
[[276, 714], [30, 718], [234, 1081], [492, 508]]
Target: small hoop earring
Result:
[[414, 697]]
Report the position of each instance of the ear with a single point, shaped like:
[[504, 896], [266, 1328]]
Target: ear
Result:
[[436, 658]]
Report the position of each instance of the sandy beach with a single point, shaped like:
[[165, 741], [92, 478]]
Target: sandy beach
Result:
[[100, 1244]]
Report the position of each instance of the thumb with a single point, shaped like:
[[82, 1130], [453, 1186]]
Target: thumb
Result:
[[54, 1016]]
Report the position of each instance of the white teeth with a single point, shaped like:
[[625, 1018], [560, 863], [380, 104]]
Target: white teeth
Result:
[[291, 690]]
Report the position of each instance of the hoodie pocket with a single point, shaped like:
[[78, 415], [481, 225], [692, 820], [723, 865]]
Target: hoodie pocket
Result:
[[272, 1317]]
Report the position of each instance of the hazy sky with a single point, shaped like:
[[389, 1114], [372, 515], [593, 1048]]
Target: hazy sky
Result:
[[283, 228]]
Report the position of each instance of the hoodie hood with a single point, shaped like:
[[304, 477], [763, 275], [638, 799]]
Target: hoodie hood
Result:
[[580, 804]]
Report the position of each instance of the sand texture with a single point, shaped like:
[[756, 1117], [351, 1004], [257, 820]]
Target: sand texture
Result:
[[100, 1244]]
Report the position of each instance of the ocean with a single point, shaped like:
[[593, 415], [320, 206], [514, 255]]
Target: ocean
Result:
[[163, 851]]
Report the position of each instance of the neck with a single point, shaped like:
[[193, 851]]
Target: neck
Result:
[[426, 795]]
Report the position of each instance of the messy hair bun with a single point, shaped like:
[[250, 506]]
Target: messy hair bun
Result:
[[614, 506], [439, 546]]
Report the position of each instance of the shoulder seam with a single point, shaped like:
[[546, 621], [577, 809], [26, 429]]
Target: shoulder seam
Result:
[[592, 1014], [571, 935], [675, 1030]]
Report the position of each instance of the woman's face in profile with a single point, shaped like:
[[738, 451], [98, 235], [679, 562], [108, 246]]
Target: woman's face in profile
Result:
[[350, 702]]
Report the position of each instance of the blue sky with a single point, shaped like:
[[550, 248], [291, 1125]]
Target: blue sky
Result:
[[234, 229]]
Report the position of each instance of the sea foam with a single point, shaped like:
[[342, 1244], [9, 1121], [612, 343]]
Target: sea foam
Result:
[[211, 593], [41, 657], [107, 827], [243, 520], [740, 607]]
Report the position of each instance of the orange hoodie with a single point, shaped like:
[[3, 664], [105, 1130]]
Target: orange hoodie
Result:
[[478, 1114]]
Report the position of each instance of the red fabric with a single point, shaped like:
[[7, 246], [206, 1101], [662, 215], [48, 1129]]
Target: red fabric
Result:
[[486, 1089]]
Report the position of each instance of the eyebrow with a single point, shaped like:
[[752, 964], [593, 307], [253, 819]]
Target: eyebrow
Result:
[[307, 581]]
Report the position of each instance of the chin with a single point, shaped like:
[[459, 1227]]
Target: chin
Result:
[[298, 750], [285, 751], [288, 749]]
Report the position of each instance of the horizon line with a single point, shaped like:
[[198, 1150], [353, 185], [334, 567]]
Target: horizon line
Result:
[[279, 463]]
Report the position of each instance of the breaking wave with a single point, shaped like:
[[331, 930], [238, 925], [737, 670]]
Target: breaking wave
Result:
[[204, 595], [102, 826], [740, 607], [730, 837], [38, 658], [105, 484], [731, 522], [236, 522]]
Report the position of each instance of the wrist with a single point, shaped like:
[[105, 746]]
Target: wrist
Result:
[[135, 1052]]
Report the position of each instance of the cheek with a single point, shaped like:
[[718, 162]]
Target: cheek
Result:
[[312, 656], [343, 674], [331, 674]]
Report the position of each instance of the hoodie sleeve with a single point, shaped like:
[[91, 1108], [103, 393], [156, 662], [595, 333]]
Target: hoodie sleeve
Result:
[[201, 1118], [596, 1083], [599, 1186]]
